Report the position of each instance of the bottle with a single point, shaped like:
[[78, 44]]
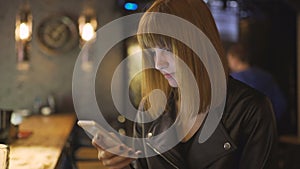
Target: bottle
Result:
[[37, 104], [51, 103]]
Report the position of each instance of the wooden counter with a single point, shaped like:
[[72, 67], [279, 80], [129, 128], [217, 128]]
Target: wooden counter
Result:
[[288, 139], [43, 148]]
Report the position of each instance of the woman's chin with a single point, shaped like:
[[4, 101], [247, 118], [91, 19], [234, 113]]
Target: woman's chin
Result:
[[173, 84]]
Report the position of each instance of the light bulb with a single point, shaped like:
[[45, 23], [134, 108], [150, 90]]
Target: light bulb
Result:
[[87, 32], [24, 31]]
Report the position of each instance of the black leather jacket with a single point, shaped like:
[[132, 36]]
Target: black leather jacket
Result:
[[244, 139]]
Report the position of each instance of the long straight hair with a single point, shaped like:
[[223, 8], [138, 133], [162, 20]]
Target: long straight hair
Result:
[[197, 13]]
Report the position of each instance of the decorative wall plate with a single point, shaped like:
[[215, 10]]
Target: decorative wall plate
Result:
[[57, 34]]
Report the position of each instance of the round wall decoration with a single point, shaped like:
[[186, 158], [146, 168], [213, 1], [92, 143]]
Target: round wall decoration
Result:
[[57, 34]]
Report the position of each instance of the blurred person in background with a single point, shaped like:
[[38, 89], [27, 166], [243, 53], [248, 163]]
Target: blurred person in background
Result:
[[240, 65]]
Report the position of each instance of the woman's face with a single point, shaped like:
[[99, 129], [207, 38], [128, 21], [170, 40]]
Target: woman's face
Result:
[[165, 62]]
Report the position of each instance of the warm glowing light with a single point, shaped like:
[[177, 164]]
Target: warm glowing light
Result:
[[135, 64], [24, 31], [87, 32], [133, 49]]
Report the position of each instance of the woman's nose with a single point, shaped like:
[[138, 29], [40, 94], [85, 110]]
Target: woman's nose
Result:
[[161, 63], [160, 60]]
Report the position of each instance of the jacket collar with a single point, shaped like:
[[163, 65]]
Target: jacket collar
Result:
[[217, 146]]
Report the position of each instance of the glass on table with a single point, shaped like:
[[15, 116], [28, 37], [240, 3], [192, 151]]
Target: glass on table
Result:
[[4, 156]]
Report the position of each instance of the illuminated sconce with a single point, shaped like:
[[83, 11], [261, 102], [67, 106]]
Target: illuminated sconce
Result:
[[87, 30], [87, 27], [23, 34]]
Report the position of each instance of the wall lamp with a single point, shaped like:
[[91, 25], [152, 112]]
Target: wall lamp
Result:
[[87, 27], [87, 30], [23, 34]]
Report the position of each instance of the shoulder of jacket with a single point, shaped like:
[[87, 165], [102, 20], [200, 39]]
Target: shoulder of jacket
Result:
[[244, 102]]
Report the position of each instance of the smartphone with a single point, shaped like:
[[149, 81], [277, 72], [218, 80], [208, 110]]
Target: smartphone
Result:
[[107, 140]]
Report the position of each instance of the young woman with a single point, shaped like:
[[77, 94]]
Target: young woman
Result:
[[246, 134]]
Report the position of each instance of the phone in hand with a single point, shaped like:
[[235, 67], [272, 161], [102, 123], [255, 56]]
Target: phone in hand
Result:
[[106, 139]]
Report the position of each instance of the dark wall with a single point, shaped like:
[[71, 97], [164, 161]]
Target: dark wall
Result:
[[270, 30], [48, 73]]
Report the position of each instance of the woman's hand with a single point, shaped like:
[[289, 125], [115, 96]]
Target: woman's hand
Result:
[[114, 161]]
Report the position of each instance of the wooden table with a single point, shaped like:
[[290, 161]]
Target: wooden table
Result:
[[43, 148], [288, 139]]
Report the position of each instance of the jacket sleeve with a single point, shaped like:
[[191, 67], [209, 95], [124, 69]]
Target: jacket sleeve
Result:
[[260, 136]]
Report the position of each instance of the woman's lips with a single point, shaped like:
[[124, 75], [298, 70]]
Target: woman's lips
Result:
[[168, 76]]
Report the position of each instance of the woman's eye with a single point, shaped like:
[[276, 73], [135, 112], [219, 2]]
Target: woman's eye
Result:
[[167, 49], [151, 53]]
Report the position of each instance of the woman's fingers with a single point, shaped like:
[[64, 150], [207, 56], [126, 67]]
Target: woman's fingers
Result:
[[117, 163], [114, 157], [121, 150], [95, 143], [105, 142], [111, 152]]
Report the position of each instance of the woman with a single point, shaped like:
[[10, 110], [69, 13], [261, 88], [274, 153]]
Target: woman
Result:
[[245, 136]]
